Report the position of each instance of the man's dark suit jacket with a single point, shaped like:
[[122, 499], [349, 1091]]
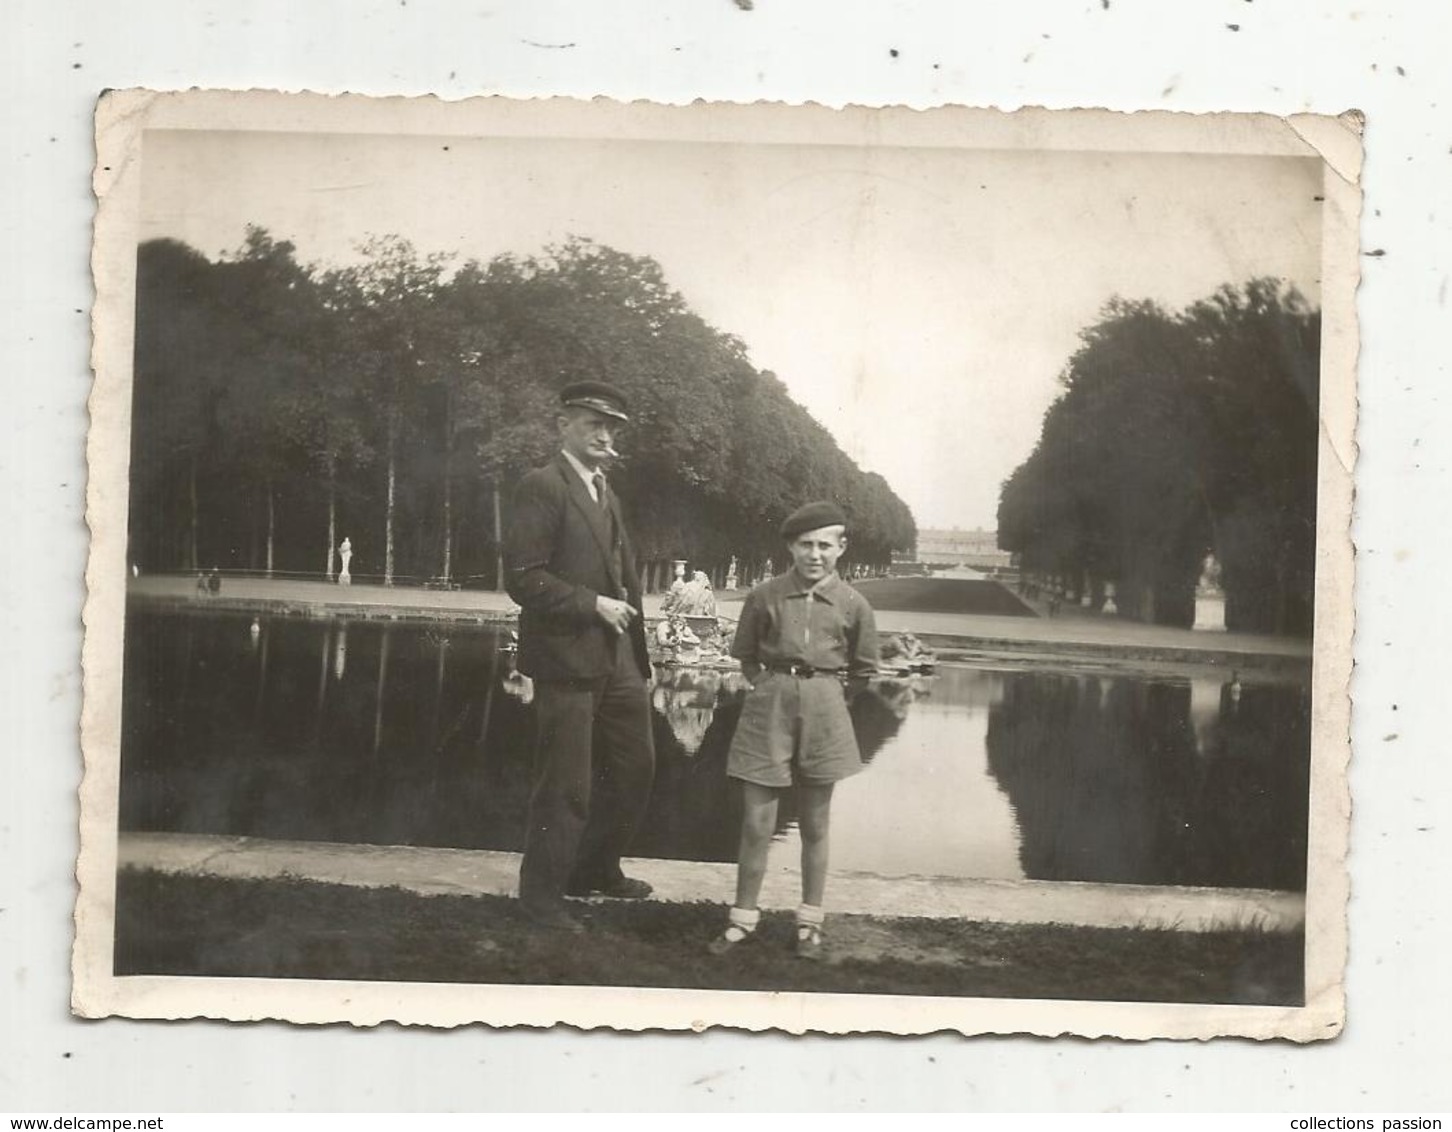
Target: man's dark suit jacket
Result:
[[559, 559]]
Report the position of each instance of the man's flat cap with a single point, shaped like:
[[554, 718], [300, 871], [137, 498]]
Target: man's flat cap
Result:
[[811, 517], [595, 395]]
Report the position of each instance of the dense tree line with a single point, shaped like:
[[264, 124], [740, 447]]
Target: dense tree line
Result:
[[1178, 435], [278, 407]]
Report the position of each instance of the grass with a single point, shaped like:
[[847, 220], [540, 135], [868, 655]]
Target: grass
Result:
[[283, 928]]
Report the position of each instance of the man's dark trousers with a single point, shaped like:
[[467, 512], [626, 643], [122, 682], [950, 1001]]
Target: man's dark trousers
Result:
[[593, 764]]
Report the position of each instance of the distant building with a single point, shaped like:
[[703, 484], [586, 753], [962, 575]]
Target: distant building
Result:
[[905, 565], [977, 548]]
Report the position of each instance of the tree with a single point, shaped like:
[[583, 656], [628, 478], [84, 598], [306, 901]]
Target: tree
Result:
[[1178, 435], [503, 403], [266, 305], [176, 388], [276, 390], [386, 305], [1259, 365]]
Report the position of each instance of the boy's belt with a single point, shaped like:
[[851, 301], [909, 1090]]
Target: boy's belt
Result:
[[801, 668]]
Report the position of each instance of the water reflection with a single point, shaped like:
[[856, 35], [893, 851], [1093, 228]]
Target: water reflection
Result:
[[1206, 693], [340, 651], [382, 685], [491, 685], [975, 772], [322, 697], [256, 633], [441, 646], [928, 805], [687, 698], [1116, 779]]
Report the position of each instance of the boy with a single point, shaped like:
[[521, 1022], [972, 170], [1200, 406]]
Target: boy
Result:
[[801, 635]]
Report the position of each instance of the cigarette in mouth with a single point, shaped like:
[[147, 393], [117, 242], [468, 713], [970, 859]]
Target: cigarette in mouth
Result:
[[610, 451]]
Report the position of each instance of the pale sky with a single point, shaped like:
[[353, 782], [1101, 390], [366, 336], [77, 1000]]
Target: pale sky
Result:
[[920, 303]]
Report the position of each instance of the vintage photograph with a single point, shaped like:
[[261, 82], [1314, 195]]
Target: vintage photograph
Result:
[[764, 566]]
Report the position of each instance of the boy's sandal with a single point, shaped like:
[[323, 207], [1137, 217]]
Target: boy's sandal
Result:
[[809, 941], [733, 935]]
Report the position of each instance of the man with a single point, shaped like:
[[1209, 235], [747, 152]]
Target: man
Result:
[[582, 640]]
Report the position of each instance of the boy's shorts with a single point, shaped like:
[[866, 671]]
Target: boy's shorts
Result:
[[794, 729]]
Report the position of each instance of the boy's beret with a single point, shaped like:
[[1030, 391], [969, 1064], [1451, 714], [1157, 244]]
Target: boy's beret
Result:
[[811, 516]]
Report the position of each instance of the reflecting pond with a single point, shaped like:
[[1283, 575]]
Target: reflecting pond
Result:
[[400, 733]]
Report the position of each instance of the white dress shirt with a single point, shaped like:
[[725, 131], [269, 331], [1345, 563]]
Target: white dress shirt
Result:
[[585, 473]]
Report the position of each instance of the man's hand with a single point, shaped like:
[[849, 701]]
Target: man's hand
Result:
[[615, 613]]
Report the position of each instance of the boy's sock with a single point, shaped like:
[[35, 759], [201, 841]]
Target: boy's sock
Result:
[[810, 914], [744, 918]]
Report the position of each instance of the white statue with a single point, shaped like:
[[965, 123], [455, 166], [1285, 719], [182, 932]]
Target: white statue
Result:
[[345, 552], [1210, 598], [696, 598], [688, 645], [678, 583]]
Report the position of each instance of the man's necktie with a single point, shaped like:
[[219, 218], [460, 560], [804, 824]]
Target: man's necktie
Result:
[[602, 497]]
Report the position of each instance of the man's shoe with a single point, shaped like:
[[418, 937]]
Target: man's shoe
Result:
[[618, 888], [625, 888], [551, 917]]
